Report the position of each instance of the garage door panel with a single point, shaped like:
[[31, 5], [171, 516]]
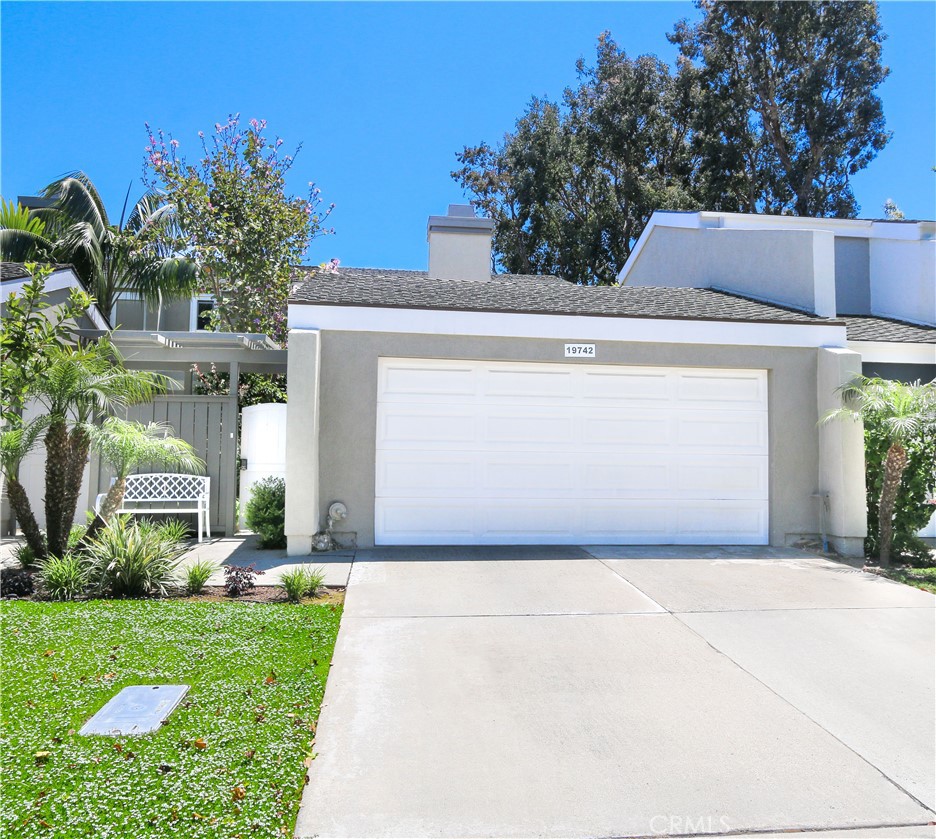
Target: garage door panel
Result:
[[530, 427], [552, 477], [719, 389], [627, 429], [606, 387], [435, 426], [724, 477], [510, 452], [524, 385], [412, 381], [706, 522], [400, 474], [716, 431]]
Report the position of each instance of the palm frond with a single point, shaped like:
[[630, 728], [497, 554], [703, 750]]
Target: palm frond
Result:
[[75, 196], [126, 445], [16, 443], [24, 246], [15, 217]]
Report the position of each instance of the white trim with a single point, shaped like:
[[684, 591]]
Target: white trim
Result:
[[193, 311], [894, 352], [58, 281], [566, 327]]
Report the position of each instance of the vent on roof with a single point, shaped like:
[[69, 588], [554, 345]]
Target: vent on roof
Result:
[[460, 245]]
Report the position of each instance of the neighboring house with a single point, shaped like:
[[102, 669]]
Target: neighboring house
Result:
[[458, 407], [167, 340], [879, 277]]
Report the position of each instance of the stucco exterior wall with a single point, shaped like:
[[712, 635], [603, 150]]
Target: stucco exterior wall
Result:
[[791, 267], [903, 279], [344, 389], [129, 314]]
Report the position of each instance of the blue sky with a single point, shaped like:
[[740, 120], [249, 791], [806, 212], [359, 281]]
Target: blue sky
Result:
[[382, 95]]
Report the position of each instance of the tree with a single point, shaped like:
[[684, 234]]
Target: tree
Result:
[[237, 221], [15, 443], [136, 255], [787, 112], [125, 445], [32, 331], [78, 383], [901, 413], [572, 187]]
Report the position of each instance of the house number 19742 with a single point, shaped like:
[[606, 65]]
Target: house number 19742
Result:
[[576, 350]]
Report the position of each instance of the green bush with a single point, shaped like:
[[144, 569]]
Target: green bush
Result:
[[912, 513], [197, 574], [65, 577], [266, 512], [128, 559], [24, 555], [302, 582]]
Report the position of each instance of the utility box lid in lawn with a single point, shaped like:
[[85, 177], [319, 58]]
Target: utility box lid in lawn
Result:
[[137, 709]]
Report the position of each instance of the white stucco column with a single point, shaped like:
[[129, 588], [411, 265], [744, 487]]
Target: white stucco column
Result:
[[841, 455], [302, 441]]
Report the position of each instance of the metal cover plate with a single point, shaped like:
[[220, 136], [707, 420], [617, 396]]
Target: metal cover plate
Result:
[[137, 709]]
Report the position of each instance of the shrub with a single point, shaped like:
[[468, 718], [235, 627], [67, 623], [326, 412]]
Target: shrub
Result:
[[911, 512], [24, 555], [65, 577], [15, 582], [171, 530], [197, 574], [239, 579], [128, 559], [302, 581], [266, 512]]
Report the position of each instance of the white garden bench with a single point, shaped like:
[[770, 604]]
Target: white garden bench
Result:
[[165, 488]]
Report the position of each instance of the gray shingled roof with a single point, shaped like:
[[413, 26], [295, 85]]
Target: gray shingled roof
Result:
[[17, 270], [870, 328], [528, 294]]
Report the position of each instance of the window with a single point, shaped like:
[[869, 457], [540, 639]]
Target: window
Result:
[[201, 306]]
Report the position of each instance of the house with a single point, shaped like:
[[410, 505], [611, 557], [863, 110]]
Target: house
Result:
[[453, 406], [877, 276]]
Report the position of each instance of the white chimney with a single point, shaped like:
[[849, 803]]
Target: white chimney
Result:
[[460, 245]]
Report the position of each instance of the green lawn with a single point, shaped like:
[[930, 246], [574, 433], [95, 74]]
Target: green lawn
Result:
[[924, 578], [230, 762]]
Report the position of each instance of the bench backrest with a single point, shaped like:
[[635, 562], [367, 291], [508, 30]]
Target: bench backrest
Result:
[[165, 486]]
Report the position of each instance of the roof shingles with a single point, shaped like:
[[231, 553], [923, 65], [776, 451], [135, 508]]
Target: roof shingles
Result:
[[532, 294]]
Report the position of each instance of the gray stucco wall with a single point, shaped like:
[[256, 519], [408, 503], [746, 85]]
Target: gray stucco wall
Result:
[[347, 416], [128, 314], [907, 373]]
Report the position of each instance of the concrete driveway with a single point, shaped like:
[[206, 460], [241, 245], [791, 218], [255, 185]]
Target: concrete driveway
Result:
[[613, 692]]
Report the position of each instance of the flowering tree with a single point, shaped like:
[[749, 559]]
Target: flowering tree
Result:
[[237, 221]]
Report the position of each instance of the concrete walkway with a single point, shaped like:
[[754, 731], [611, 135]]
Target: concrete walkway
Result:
[[243, 550], [613, 692]]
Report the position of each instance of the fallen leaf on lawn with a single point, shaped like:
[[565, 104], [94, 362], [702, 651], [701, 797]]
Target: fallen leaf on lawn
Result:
[[47, 653], [174, 815], [271, 679], [118, 747], [42, 757], [200, 743], [249, 754], [238, 793], [164, 768], [129, 756], [109, 675], [237, 811], [96, 759], [197, 816], [44, 823], [55, 677], [71, 732]]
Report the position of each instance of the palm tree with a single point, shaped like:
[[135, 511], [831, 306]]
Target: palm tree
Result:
[[22, 235], [126, 445], [135, 255], [79, 382], [902, 412], [15, 443]]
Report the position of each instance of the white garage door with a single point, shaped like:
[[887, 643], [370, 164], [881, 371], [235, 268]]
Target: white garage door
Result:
[[474, 453]]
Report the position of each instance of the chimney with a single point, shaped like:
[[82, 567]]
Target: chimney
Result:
[[460, 245]]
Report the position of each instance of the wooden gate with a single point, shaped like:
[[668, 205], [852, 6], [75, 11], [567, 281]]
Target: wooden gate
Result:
[[209, 423]]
